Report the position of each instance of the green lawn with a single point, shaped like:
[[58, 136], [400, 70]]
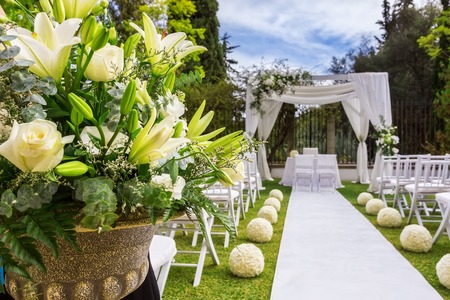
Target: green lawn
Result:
[[218, 282]]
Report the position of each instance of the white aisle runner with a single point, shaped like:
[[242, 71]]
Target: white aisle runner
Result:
[[330, 251]]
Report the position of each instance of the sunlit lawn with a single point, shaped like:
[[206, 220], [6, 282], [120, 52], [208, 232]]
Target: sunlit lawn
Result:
[[219, 283]]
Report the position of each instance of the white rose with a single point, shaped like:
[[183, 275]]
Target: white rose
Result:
[[36, 146], [106, 64], [166, 181]]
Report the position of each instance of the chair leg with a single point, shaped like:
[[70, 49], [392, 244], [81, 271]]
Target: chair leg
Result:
[[442, 226]]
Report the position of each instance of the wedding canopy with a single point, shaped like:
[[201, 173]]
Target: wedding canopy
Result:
[[365, 97]]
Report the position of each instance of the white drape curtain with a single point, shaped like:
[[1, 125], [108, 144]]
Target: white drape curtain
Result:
[[271, 109], [372, 89], [360, 124], [251, 114]]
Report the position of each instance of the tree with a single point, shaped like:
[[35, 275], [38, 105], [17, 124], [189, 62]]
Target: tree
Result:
[[213, 60], [228, 49]]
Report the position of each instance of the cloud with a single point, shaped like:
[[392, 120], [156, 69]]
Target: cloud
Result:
[[306, 32]]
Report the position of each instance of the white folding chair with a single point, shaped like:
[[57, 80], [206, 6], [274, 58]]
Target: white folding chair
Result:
[[251, 180], [191, 223], [161, 253], [304, 171], [405, 167], [225, 198], [326, 171], [386, 182], [444, 203], [431, 177]]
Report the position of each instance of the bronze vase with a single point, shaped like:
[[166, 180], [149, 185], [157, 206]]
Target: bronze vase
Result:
[[110, 266]]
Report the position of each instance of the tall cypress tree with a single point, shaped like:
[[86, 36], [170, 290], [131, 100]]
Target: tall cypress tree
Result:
[[213, 60]]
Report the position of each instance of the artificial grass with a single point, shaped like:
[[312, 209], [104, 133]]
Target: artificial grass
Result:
[[218, 282]]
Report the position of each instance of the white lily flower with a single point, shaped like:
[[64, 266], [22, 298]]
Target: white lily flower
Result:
[[165, 54], [48, 47], [155, 141]]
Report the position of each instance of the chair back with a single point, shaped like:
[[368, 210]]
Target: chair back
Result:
[[308, 151], [432, 173], [304, 162], [326, 162]]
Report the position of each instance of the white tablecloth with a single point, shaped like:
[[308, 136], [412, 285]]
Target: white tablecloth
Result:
[[289, 172]]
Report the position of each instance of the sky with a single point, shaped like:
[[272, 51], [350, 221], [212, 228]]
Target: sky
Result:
[[308, 33]]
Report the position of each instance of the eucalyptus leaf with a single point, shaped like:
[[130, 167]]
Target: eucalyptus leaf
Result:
[[10, 64], [24, 63], [7, 38], [9, 52], [47, 85], [22, 81], [30, 113], [36, 98], [8, 197]]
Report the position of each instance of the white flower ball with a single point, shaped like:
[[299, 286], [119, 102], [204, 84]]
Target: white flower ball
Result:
[[246, 260], [373, 206], [259, 230], [276, 193], [269, 213], [273, 202], [389, 217], [363, 198], [416, 238], [443, 270], [293, 153]]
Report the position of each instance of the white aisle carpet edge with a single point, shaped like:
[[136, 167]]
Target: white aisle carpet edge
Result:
[[330, 251]]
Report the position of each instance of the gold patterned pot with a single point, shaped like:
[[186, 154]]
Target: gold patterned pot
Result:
[[110, 266]]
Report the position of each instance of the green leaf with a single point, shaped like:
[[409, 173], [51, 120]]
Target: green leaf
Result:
[[5, 209], [9, 52], [22, 81], [36, 98], [47, 85], [39, 233]]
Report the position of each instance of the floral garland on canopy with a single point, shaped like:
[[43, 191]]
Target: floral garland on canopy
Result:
[[274, 77], [92, 132]]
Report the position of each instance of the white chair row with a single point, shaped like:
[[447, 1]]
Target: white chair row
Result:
[[234, 201], [419, 176]]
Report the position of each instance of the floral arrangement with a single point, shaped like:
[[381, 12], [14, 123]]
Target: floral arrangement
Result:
[[416, 238], [389, 217], [259, 230], [276, 193], [269, 213], [363, 198], [443, 270], [386, 138], [373, 206], [246, 260], [272, 201], [92, 131], [275, 77]]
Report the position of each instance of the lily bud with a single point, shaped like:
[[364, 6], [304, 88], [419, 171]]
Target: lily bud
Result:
[[113, 38], [71, 169], [100, 39], [178, 130], [104, 3], [88, 30], [128, 98], [81, 106], [133, 121], [97, 10], [58, 11], [169, 82], [130, 44], [75, 117], [45, 5]]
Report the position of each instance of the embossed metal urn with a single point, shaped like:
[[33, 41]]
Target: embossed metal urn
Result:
[[110, 266]]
